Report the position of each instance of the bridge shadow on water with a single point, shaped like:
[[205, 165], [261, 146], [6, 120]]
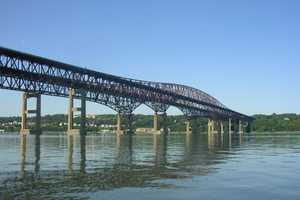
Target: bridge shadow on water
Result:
[[103, 163]]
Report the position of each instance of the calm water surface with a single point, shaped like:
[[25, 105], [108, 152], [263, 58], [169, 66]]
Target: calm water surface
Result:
[[149, 167]]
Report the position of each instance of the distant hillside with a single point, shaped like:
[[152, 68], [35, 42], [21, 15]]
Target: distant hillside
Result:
[[276, 122], [263, 123]]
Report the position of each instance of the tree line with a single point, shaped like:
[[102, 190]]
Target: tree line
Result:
[[262, 123]]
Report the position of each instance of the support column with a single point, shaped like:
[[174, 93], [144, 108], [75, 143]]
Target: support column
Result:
[[211, 126], [38, 113], [120, 131], [211, 135], [222, 131], [241, 131], [130, 123], [83, 114], [222, 127], [24, 113], [229, 131], [165, 128], [155, 121], [230, 126], [248, 127], [25, 129], [188, 126], [72, 110]]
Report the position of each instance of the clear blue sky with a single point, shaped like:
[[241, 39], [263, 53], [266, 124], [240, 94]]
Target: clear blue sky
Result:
[[243, 52]]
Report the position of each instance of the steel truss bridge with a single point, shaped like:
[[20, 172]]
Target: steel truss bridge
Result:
[[29, 73]]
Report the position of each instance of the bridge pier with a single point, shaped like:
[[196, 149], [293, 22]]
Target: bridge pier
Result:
[[155, 121], [25, 112], [211, 126], [241, 129], [248, 127], [188, 128], [164, 123], [230, 126], [221, 130], [124, 126], [229, 130], [120, 130], [234, 126], [159, 110], [72, 110], [222, 127], [156, 127]]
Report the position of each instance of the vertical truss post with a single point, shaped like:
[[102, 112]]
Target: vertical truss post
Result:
[[25, 129]]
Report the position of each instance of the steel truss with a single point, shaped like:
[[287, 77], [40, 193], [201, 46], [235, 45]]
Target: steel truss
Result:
[[24, 72]]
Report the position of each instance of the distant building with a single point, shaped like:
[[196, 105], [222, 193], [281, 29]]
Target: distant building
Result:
[[90, 116]]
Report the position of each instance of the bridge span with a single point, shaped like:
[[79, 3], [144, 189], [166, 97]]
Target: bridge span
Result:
[[36, 76]]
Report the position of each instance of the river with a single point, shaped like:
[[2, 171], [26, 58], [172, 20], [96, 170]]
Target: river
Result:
[[150, 167]]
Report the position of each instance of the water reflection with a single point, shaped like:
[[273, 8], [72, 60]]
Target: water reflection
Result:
[[124, 149], [160, 150], [23, 148], [23, 152], [82, 153], [37, 151], [70, 153], [156, 161]]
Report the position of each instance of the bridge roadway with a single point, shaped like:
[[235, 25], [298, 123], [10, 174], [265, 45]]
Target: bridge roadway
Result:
[[37, 76]]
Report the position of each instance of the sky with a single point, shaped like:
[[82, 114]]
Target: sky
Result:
[[243, 52]]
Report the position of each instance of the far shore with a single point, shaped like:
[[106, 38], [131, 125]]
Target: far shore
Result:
[[112, 133]]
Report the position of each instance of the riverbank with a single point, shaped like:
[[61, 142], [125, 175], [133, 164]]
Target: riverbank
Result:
[[278, 133]]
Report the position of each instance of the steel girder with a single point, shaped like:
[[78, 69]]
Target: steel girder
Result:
[[29, 73], [157, 107]]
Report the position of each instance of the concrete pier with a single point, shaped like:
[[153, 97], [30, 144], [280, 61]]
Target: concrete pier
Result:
[[248, 127], [124, 123], [241, 128], [25, 129], [229, 129], [211, 126], [222, 127], [230, 126], [188, 127], [155, 121], [164, 123], [72, 110], [120, 130]]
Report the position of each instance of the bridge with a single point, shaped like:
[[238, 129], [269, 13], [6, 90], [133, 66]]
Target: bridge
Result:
[[36, 76]]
